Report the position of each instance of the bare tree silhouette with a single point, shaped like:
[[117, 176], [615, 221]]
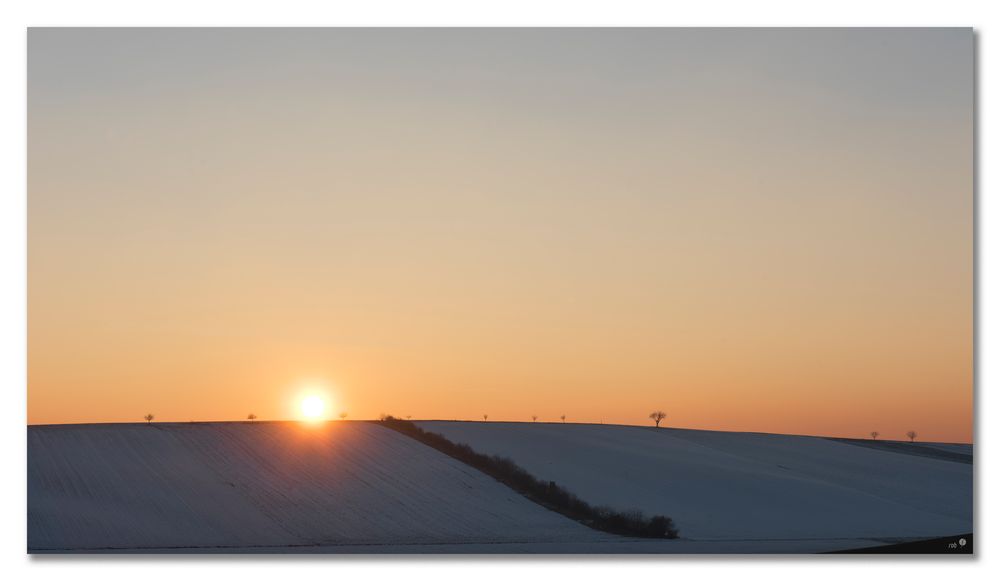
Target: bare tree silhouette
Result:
[[563, 418], [484, 417], [148, 418], [874, 435], [252, 417], [911, 435], [534, 418], [657, 417], [343, 415], [408, 417]]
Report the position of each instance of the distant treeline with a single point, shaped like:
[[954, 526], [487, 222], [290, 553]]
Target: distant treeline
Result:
[[548, 494]]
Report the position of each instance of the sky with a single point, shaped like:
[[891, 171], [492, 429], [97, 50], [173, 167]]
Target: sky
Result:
[[762, 230]]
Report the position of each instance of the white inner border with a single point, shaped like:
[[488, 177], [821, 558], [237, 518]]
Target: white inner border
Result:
[[17, 15]]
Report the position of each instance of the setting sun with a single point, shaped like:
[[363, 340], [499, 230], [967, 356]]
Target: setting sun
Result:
[[312, 407]]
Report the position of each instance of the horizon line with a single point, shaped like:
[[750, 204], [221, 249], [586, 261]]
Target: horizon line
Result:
[[377, 420]]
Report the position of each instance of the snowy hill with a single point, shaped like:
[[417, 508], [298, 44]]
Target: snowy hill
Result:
[[133, 486], [360, 487], [725, 485]]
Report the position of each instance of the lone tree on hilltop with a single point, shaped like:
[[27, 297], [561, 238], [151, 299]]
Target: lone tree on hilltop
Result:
[[484, 417], [874, 435], [657, 417], [252, 417], [148, 418], [911, 435], [534, 418], [343, 415], [563, 418]]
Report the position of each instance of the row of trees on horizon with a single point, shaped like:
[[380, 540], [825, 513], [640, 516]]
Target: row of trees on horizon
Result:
[[657, 417], [912, 435]]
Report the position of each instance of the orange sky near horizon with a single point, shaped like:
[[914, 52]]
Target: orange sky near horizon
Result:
[[756, 230]]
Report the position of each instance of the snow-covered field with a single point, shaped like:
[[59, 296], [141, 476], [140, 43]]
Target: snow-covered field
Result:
[[267, 485], [360, 487], [741, 486]]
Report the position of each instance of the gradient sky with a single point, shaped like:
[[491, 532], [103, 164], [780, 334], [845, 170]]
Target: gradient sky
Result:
[[767, 230]]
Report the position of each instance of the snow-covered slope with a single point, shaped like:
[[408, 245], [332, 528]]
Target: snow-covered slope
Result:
[[265, 485], [725, 485]]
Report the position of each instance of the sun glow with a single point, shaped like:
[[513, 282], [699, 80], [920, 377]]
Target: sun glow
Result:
[[312, 407]]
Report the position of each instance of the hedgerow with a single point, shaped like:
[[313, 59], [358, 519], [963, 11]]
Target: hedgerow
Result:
[[631, 523]]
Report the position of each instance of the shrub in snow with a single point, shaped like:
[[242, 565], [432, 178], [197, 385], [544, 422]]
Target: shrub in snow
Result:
[[548, 494]]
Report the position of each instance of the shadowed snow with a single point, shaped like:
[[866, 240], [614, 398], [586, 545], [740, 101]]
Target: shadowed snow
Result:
[[265, 484], [728, 485]]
